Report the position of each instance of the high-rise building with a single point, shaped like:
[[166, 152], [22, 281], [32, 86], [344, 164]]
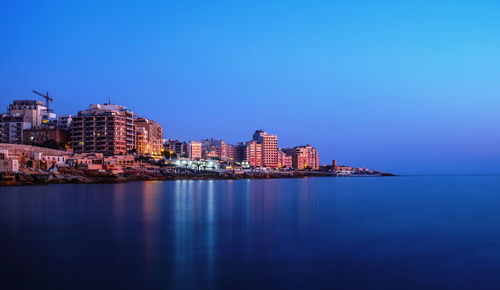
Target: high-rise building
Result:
[[194, 150], [151, 132], [303, 157], [253, 153], [107, 129], [269, 147]]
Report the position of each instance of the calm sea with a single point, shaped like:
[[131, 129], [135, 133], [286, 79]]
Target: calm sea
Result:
[[421, 232]]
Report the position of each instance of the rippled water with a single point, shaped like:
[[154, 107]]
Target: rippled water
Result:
[[427, 232]]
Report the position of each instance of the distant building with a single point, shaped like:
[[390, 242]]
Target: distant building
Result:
[[253, 154], [107, 129], [284, 160], [64, 122], [194, 150], [34, 111], [175, 146], [8, 163], [269, 148], [151, 134], [12, 128], [214, 148], [46, 135], [304, 157]]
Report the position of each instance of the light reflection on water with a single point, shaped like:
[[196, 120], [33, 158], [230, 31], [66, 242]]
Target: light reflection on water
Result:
[[291, 233]]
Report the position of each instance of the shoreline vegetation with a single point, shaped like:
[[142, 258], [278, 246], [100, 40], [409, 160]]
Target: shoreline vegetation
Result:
[[82, 176]]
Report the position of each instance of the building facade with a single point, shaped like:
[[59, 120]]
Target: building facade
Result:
[[43, 135], [304, 157], [151, 134], [13, 127], [34, 111], [194, 149], [284, 160], [253, 154], [107, 129], [175, 146], [269, 148]]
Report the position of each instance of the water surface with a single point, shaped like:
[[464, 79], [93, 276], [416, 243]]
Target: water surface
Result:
[[422, 232]]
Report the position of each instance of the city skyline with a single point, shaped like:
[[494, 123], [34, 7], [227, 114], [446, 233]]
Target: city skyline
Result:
[[412, 92]]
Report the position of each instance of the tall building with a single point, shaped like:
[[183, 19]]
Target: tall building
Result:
[[35, 111], [194, 150], [152, 133], [304, 157], [269, 147], [107, 129], [12, 128], [253, 154]]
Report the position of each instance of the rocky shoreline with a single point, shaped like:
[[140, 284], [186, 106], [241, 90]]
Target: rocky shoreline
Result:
[[76, 176]]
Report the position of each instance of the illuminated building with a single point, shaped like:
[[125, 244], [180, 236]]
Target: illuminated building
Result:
[[269, 148], [304, 157], [107, 129], [253, 154], [194, 149], [177, 147], [214, 148], [149, 135], [284, 160]]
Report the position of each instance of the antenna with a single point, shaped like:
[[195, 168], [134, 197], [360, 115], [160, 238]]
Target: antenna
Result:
[[109, 100]]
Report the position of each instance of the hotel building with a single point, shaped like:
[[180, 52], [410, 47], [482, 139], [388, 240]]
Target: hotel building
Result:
[[269, 149]]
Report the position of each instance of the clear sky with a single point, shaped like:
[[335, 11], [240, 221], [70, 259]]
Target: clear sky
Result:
[[402, 86]]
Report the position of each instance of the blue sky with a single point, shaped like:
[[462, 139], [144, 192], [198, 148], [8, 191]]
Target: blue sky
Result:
[[402, 86]]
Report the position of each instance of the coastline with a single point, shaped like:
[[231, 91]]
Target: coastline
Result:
[[89, 177]]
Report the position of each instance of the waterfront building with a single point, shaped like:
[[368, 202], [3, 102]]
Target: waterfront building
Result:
[[269, 147], [304, 157], [194, 150], [175, 146], [151, 134], [214, 148], [46, 135], [141, 139], [284, 160], [253, 153], [8, 163], [107, 129], [231, 153]]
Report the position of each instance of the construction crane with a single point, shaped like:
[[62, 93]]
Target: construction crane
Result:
[[47, 98]]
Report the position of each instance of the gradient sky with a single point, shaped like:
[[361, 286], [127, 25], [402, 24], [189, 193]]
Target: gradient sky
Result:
[[409, 87]]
